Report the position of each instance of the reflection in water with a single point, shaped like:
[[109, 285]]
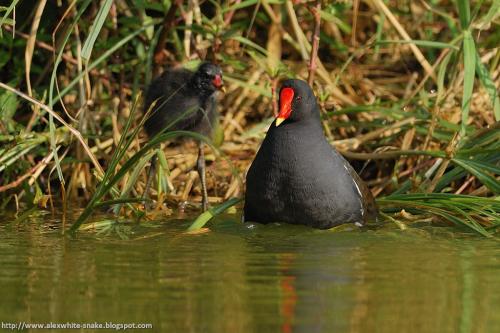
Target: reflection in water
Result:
[[251, 279]]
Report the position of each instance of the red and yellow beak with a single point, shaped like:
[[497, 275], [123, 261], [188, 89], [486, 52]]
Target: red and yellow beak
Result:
[[286, 98], [218, 83]]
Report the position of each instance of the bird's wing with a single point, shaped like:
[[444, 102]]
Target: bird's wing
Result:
[[369, 204]]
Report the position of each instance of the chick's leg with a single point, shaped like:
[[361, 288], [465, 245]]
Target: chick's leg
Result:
[[200, 165]]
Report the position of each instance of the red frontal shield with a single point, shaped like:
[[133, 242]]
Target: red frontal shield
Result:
[[286, 98]]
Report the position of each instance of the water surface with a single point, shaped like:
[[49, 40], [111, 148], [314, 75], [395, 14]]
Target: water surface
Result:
[[250, 278]]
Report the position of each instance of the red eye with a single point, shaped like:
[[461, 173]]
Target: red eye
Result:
[[299, 98]]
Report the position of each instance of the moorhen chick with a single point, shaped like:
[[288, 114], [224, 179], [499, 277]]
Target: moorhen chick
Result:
[[185, 100], [298, 177]]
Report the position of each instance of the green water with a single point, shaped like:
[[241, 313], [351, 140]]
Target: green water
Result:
[[250, 278]]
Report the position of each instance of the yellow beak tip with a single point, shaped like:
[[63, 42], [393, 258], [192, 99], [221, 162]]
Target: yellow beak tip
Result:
[[279, 121]]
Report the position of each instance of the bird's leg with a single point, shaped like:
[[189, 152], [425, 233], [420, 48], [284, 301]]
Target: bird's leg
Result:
[[200, 165], [151, 172]]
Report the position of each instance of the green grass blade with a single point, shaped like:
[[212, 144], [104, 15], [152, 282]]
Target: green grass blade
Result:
[[252, 87], [485, 166], [489, 85], [491, 15], [424, 43], [52, 131], [95, 29], [13, 155], [469, 73], [458, 172], [163, 169], [483, 177], [123, 143], [248, 42], [442, 73], [247, 3], [209, 214], [461, 210], [378, 33], [134, 176], [240, 5], [7, 13], [99, 60], [61, 50], [464, 13]]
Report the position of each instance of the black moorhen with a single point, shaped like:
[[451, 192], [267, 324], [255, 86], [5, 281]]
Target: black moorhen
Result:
[[298, 177], [185, 100]]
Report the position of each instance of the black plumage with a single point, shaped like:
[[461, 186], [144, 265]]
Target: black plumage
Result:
[[298, 177], [184, 100]]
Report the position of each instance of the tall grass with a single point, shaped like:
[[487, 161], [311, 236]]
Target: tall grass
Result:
[[408, 92]]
